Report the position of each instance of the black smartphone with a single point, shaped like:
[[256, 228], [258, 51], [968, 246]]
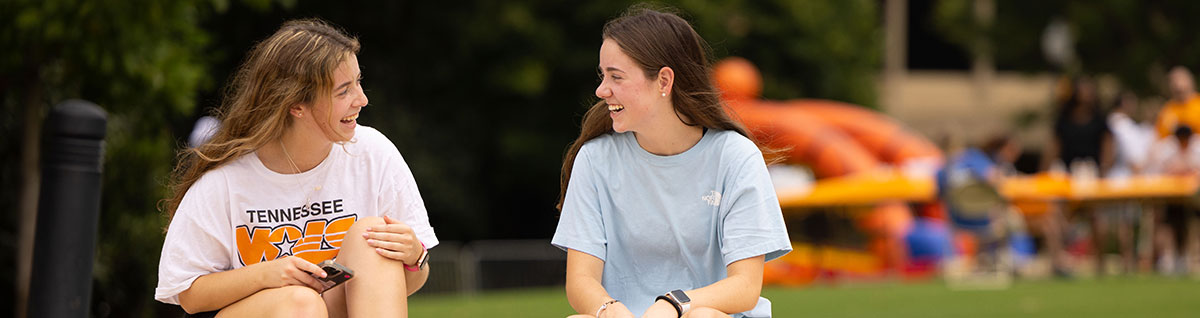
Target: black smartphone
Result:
[[335, 274]]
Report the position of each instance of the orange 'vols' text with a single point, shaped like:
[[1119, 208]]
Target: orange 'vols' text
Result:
[[318, 241]]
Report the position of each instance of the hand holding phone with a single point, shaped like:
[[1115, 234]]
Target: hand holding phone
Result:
[[335, 274]]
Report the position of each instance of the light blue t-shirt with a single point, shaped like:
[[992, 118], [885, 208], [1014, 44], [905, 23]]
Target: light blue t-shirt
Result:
[[662, 223]]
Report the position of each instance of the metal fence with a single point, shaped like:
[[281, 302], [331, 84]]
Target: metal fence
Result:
[[466, 268]]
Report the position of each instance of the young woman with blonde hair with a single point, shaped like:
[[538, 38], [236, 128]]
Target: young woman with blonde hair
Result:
[[289, 180], [667, 208]]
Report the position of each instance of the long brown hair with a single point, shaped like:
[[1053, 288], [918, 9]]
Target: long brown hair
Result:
[[292, 67], [655, 39]]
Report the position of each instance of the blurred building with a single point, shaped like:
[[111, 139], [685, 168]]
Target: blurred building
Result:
[[938, 88]]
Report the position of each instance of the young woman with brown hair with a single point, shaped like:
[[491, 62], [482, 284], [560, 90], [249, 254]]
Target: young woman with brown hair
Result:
[[289, 180], [667, 207]]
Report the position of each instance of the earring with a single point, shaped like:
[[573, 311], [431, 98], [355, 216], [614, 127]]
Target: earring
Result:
[[299, 114], [664, 94]]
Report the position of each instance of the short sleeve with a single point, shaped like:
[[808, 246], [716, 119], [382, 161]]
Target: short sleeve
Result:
[[580, 226], [198, 239], [402, 199], [753, 225], [1166, 121]]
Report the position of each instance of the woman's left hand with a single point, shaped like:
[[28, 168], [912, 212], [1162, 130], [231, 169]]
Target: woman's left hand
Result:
[[395, 240], [661, 309]]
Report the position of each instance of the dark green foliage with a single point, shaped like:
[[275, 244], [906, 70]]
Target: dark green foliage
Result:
[[481, 97], [1137, 41]]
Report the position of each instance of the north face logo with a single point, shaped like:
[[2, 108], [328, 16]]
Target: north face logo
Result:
[[713, 198]]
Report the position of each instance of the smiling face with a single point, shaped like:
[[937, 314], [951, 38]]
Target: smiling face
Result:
[[337, 117], [635, 102]]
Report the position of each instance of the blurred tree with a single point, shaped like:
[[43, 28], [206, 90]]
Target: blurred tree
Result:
[[143, 61], [804, 49], [1134, 40]]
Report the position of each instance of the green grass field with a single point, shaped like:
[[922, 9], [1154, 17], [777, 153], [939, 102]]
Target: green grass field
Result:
[[1107, 297]]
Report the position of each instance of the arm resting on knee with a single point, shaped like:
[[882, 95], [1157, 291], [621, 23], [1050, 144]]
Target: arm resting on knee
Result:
[[736, 293], [584, 291]]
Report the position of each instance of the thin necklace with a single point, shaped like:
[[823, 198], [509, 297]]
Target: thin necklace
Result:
[[307, 195], [289, 156]]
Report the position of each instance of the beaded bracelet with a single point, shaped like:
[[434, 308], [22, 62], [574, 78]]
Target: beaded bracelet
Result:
[[605, 306]]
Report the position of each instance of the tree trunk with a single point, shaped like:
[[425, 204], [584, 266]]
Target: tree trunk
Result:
[[31, 175]]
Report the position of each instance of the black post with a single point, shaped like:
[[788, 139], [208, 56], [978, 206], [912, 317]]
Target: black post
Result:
[[68, 210]]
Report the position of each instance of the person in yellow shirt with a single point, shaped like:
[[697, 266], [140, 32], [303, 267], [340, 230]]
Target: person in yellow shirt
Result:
[[1184, 106]]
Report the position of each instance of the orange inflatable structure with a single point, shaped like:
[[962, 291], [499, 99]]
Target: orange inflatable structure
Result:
[[889, 141], [806, 138], [834, 139]]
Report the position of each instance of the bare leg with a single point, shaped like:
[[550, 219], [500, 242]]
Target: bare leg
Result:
[[1147, 239], [1166, 249], [1100, 233], [1053, 226], [287, 301], [705, 312], [335, 300], [378, 287], [1125, 238], [1191, 245]]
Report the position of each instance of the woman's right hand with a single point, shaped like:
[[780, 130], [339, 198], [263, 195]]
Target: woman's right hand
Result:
[[616, 310], [291, 270]]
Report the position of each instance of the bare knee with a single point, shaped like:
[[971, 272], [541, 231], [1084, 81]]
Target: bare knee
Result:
[[705, 312], [361, 225], [300, 301], [355, 251], [354, 236]]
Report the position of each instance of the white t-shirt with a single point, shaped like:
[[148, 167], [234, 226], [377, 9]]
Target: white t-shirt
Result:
[[242, 213], [1167, 150], [1133, 143]]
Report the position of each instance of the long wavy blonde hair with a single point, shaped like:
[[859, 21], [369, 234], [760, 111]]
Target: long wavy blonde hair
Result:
[[292, 67]]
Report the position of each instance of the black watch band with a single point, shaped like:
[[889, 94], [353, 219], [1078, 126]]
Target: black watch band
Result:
[[674, 304]]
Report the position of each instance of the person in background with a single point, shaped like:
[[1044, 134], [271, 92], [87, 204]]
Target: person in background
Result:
[[1178, 155], [203, 131], [1132, 143], [1131, 139], [1081, 134], [1083, 146], [968, 187], [1171, 155], [1184, 106]]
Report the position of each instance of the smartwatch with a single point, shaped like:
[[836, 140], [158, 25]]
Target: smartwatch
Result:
[[679, 299], [420, 260]]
